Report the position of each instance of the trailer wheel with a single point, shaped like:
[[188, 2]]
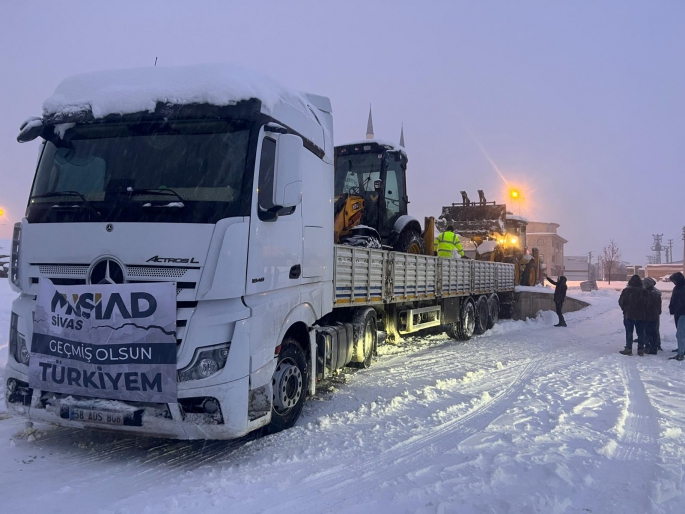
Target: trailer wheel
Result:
[[410, 241], [463, 329], [365, 338], [290, 383], [493, 304], [482, 315]]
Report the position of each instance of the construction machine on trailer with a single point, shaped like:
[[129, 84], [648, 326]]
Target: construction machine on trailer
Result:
[[498, 235], [371, 198]]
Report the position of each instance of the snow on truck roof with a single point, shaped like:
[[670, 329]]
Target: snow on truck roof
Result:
[[136, 90]]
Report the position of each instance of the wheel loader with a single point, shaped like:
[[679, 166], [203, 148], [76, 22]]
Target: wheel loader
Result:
[[498, 235]]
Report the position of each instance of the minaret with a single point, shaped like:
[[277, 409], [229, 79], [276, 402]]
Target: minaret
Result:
[[369, 126], [402, 136]]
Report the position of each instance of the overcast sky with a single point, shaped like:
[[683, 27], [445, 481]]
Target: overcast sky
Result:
[[580, 104]]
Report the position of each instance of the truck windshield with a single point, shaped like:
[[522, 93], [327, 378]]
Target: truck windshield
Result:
[[176, 171]]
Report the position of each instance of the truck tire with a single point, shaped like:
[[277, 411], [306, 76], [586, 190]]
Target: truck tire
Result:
[[290, 385], [493, 304], [410, 241], [463, 329], [482, 315], [365, 338]]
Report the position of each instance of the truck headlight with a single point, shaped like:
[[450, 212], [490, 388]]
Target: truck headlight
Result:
[[14, 259], [23, 356], [18, 347], [206, 362]]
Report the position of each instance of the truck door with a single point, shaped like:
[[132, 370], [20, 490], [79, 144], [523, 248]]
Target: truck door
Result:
[[275, 248]]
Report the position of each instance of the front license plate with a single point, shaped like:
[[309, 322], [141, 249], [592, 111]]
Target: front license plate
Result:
[[96, 416]]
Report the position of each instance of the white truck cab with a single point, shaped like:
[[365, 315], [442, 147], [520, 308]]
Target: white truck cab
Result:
[[225, 190]]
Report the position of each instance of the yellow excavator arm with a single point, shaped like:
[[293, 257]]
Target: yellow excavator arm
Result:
[[348, 214]]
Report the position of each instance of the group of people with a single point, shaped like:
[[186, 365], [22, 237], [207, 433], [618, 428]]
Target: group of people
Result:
[[641, 306], [640, 302]]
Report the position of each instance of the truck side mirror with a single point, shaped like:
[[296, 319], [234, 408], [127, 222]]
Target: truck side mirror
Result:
[[288, 172]]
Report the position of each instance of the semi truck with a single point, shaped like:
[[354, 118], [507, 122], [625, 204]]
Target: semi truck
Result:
[[176, 269]]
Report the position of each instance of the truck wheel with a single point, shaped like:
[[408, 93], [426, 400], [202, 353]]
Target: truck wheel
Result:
[[290, 384], [463, 329], [493, 304], [365, 338], [482, 315], [410, 241]]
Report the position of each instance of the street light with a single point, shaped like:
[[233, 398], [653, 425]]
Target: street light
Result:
[[515, 195]]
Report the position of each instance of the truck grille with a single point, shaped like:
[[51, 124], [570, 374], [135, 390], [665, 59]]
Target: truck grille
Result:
[[76, 274]]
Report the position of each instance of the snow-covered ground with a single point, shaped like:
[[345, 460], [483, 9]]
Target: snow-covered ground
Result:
[[527, 418]]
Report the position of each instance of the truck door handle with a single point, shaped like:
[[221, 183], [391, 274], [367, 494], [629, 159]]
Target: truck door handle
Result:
[[295, 271]]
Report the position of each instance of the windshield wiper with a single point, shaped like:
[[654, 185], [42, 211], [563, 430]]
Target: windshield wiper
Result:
[[154, 192], [84, 201]]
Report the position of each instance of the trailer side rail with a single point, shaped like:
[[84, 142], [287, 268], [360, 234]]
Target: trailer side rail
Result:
[[364, 276]]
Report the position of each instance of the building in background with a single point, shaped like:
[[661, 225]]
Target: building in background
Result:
[[544, 236], [657, 271], [636, 269], [576, 267]]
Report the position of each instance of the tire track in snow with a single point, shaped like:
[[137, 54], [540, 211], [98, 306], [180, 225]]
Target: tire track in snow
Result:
[[633, 454], [445, 437], [138, 462]]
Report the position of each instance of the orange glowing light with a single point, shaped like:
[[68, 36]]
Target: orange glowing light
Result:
[[514, 193]]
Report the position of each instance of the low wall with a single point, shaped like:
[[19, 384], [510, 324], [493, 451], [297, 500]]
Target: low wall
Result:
[[527, 304]]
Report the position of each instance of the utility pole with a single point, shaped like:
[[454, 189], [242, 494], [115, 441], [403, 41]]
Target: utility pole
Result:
[[657, 248], [589, 265], [669, 251]]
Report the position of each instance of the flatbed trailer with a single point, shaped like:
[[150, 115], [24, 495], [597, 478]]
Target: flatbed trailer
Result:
[[402, 293]]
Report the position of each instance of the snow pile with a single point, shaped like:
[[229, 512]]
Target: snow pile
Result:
[[392, 146], [534, 289], [486, 247], [514, 217], [140, 89]]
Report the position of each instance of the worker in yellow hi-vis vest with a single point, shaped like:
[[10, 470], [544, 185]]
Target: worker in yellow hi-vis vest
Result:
[[448, 244]]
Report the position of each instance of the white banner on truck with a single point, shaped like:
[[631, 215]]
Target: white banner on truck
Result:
[[115, 341]]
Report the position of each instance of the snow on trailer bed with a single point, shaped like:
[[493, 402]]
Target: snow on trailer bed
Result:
[[526, 418]]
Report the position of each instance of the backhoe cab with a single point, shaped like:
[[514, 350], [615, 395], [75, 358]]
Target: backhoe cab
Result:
[[371, 198]]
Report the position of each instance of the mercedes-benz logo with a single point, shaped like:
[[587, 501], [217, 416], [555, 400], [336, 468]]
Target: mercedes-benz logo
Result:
[[106, 271], [109, 227]]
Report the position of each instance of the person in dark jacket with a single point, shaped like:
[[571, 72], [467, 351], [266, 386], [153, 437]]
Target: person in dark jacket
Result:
[[633, 303], [559, 297], [652, 314], [677, 308]]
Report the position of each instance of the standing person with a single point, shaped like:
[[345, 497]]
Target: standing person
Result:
[[677, 308], [559, 297], [633, 303], [528, 271], [449, 245], [652, 314]]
